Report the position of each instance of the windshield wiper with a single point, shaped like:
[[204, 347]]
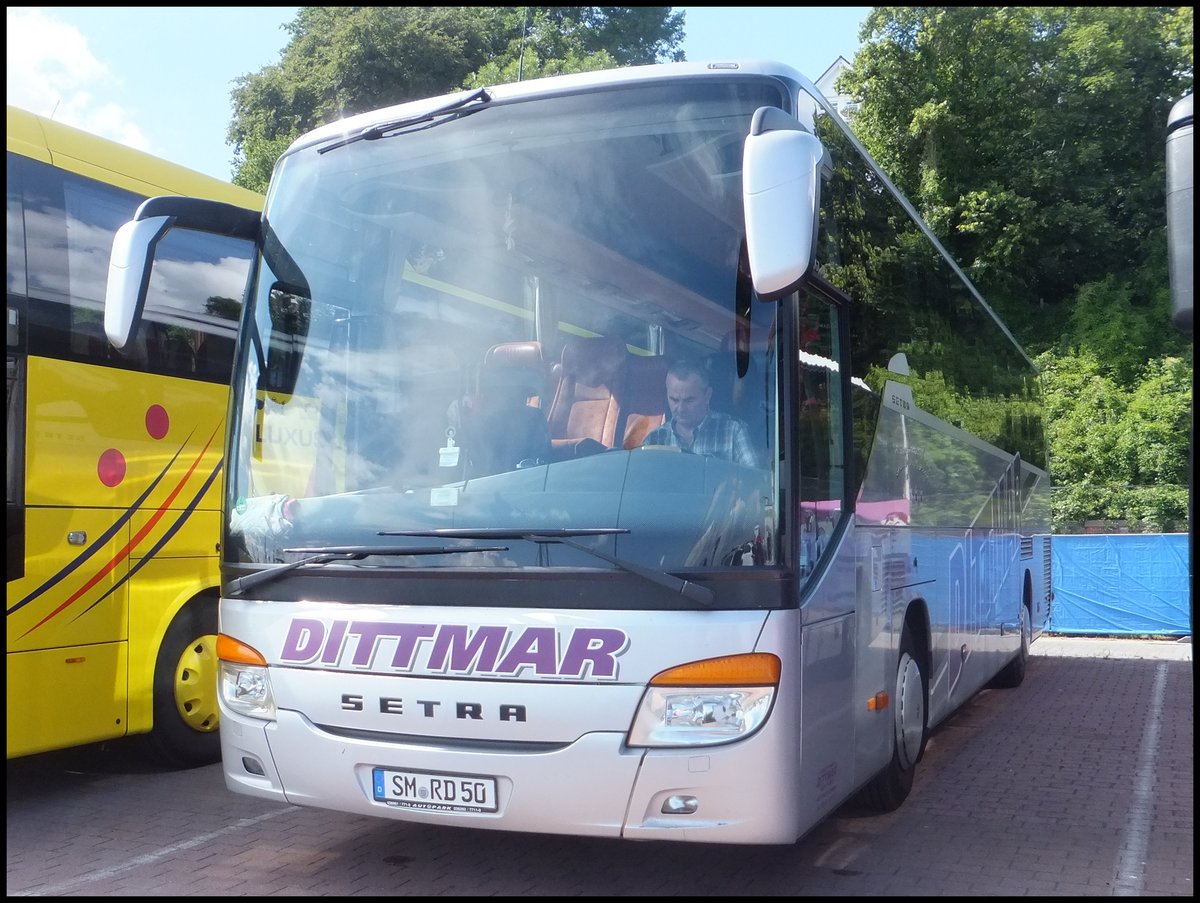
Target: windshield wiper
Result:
[[378, 131], [562, 535], [326, 554]]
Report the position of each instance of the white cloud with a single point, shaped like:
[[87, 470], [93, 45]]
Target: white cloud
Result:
[[53, 72]]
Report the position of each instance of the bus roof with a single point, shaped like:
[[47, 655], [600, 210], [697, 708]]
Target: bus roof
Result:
[[98, 158], [554, 84]]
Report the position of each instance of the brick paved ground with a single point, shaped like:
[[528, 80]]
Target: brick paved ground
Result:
[[1078, 783]]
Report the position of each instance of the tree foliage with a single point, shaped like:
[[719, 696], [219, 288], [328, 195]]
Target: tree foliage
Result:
[[1032, 140], [345, 60], [1119, 453]]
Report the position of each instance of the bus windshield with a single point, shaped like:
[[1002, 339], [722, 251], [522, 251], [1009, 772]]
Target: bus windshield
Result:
[[519, 317]]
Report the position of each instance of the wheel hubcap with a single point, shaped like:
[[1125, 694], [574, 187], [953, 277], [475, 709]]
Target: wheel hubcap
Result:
[[196, 684], [910, 715]]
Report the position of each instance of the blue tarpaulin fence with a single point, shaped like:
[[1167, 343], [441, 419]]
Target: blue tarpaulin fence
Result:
[[1121, 583]]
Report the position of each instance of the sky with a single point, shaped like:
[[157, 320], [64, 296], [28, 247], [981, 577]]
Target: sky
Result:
[[159, 78]]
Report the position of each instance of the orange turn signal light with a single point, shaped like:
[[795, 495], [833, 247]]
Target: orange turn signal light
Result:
[[231, 650], [752, 669]]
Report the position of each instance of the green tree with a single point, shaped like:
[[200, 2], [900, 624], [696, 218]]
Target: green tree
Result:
[[345, 60], [1119, 381], [1118, 453], [1159, 419], [1086, 408], [1030, 138], [555, 40]]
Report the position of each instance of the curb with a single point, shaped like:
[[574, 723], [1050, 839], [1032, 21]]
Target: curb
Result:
[[1172, 649]]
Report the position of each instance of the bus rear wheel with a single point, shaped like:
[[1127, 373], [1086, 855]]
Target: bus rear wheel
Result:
[[890, 787], [1012, 675], [186, 716]]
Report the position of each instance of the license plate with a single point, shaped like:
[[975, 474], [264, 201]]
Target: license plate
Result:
[[432, 790]]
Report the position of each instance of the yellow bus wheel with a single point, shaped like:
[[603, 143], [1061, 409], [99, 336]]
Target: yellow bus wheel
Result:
[[196, 684], [186, 720]]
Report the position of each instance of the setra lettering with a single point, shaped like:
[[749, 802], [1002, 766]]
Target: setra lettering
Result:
[[463, 711]]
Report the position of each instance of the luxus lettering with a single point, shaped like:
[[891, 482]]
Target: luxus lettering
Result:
[[455, 648]]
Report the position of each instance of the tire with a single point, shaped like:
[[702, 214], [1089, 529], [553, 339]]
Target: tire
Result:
[[910, 719], [186, 717], [1012, 675]]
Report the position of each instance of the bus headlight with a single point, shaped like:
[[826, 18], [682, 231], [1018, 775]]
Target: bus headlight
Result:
[[246, 690], [708, 702], [244, 682]]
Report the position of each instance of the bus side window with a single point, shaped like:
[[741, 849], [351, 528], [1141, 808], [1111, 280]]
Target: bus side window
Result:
[[819, 421]]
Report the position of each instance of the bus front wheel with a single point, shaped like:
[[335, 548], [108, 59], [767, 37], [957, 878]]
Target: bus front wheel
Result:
[[186, 716], [891, 786]]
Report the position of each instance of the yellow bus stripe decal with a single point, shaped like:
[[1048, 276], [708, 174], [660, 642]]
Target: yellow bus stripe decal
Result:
[[86, 555], [163, 540], [141, 534]]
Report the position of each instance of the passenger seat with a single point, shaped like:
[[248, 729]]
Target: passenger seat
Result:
[[585, 413]]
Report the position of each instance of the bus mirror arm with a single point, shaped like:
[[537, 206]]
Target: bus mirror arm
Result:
[[203, 215], [782, 166]]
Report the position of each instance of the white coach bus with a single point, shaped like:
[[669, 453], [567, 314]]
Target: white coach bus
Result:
[[615, 454]]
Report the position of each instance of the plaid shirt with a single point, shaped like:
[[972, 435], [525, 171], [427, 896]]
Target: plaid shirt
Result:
[[717, 435]]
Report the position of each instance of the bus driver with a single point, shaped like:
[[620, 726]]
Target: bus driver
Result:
[[693, 426]]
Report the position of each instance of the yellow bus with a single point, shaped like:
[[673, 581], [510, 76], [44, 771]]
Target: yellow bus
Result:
[[114, 459]]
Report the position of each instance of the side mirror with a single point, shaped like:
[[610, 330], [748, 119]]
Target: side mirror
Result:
[[781, 197], [1179, 211], [129, 275], [132, 257]]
